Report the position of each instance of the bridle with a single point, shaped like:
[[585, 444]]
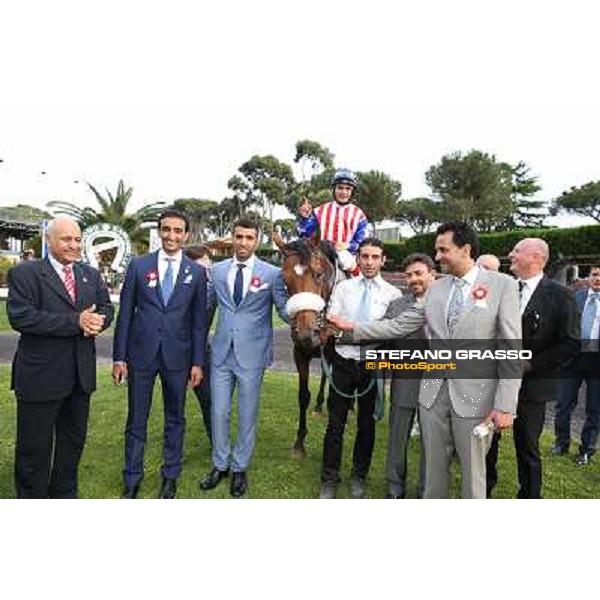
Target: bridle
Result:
[[319, 303]]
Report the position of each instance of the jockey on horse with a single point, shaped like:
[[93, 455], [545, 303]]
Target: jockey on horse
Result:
[[339, 221]]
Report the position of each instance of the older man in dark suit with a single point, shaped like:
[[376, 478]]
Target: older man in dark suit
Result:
[[58, 306], [551, 331]]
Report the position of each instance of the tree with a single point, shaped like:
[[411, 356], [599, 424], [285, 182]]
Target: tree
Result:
[[264, 182], [526, 212], [584, 200], [199, 213], [317, 166], [476, 187], [113, 209], [310, 153], [418, 213], [378, 194], [25, 213]]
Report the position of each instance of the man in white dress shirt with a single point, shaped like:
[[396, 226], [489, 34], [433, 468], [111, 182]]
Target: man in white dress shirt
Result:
[[363, 298]]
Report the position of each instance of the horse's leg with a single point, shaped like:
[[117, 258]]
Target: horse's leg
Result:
[[318, 411], [327, 355], [302, 365]]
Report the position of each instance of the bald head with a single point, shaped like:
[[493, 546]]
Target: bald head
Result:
[[529, 257], [489, 262], [64, 240]]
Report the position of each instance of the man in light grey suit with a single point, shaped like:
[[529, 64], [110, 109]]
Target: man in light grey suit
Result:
[[245, 288], [404, 392], [472, 304]]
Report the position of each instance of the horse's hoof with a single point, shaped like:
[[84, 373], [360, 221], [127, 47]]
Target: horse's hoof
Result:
[[318, 412], [298, 452]]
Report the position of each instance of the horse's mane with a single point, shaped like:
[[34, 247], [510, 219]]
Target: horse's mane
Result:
[[304, 249]]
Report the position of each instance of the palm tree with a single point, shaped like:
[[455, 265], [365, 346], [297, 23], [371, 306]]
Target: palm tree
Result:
[[113, 209]]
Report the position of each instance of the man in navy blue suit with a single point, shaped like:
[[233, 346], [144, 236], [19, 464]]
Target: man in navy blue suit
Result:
[[161, 330]]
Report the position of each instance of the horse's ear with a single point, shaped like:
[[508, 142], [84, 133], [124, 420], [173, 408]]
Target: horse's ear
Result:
[[278, 241]]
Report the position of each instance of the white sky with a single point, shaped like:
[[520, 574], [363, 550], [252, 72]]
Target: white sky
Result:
[[174, 96]]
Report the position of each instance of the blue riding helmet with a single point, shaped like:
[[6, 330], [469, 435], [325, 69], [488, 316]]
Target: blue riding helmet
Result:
[[344, 176]]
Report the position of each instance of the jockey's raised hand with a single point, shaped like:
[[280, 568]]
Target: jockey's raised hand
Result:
[[305, 208]]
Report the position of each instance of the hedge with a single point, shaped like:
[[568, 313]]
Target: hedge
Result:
[[564, 243]]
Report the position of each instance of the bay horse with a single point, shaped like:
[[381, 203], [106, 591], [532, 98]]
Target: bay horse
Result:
[[309, 271]]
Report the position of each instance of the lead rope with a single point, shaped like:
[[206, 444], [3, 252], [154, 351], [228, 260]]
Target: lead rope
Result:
[[325, 366]]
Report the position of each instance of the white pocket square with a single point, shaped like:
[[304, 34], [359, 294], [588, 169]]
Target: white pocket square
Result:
[[264, 286], [188, 279]]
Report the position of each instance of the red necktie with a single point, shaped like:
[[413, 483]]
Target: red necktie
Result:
[[69, 282]]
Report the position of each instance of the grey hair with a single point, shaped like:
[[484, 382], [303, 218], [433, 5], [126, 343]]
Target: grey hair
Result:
[[52, 224]]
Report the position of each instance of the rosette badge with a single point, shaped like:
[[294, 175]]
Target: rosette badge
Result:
[[151, 278], [480, 293]]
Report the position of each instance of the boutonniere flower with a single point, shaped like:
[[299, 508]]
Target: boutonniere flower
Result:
[[186, 270], [256, 285], [84, 280], [152, 278], [479, 294]]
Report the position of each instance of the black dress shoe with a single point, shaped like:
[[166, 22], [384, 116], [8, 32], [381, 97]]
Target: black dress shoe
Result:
[[168, 489], [239, 484], [213, 479], [130, 492], [559, 449], [583, 458]]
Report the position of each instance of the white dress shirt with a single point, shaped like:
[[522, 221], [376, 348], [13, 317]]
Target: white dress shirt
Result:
[[58, 267], [246, 273], [528, 289], [346, 299], [163, 264]]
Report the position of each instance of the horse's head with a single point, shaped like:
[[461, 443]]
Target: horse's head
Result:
[[309, 274]]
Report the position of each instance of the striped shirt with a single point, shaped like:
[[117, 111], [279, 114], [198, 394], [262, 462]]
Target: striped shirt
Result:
[[338, 223]]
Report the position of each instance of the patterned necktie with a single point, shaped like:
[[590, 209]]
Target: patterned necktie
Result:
[[167, 284], [69, 282], [522, 286], [238, 286], [587, 323], [364, 308], [457, 302]]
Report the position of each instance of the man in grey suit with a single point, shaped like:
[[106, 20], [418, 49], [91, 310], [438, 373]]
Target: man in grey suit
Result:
[[471, 304], [245, 289], [404, 397]]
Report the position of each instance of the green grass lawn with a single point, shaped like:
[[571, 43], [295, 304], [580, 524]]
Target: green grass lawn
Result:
[[274, 474]]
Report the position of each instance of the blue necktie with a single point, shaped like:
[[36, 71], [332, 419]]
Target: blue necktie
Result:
[[167, 282], [364, 308], [587, 322], [238, 286]]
